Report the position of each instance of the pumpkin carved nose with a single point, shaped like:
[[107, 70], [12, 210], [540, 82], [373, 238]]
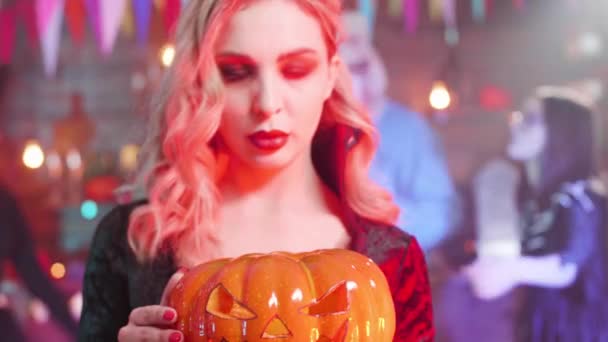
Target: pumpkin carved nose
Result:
[[276, 328]]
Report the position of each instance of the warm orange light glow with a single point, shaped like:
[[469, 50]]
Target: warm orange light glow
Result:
[[128, 157], [58, 270]]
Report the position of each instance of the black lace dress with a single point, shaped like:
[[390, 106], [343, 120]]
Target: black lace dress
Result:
[[115, 283], [17, 246], [573, 226]]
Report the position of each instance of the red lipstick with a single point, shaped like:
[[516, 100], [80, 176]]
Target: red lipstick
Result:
[[269, 140]]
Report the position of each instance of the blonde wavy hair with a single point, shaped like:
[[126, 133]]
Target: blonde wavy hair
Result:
[[180, 167]]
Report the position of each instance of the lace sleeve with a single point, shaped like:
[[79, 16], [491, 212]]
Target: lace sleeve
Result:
[[412, 296], [105, 289]]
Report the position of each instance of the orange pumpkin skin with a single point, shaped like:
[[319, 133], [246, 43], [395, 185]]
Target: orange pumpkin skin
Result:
[[327, 295]]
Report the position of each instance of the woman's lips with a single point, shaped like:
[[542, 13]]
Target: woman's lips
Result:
[[269, 140]]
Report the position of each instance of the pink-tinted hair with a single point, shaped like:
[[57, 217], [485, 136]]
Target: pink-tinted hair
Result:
[[180, 167]]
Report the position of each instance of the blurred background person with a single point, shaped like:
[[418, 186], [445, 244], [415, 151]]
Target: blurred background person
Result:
[[18, 252], [409, 161], [17, 247], [563, 259]]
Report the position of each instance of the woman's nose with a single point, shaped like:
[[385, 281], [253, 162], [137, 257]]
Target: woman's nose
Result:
[[268, 100]]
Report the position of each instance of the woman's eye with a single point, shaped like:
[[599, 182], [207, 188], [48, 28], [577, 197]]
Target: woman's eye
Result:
[[234, 73], [296, 71]]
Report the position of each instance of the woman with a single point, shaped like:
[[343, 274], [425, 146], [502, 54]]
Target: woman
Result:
[[564, 220], [257, 147]]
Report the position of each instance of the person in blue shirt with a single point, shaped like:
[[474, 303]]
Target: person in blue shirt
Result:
[[409, 161]]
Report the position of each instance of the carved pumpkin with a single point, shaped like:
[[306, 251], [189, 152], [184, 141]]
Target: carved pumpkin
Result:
[[327, 295]]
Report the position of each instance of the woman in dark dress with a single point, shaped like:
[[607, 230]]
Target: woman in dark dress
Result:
[[17, 246], [564, 225], [257, 146]]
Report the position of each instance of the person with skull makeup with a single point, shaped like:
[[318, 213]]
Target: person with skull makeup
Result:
[[563, 261], [257, 145], [409, 161]]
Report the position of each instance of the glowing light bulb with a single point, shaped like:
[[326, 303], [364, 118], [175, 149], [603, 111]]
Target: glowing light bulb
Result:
[[167, 54], [440, 98], [33, 156]]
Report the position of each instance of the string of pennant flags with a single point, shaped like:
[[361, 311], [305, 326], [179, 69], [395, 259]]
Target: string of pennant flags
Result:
[[43, 20]]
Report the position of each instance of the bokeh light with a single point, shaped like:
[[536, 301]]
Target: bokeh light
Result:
[[167, 54], [440, 98], [33, 156], [89, 210], [128, 157], [58, 270]]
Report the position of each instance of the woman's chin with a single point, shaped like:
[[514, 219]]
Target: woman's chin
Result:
[[269, 162]]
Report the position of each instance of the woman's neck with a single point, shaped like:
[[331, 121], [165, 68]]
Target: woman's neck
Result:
[[297, 187]]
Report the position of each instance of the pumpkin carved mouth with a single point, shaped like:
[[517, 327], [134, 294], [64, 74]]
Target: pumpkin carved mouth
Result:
[[335, 301], [339, 337]]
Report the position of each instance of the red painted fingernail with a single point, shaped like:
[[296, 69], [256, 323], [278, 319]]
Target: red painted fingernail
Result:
[[169, 315], [175, 337]]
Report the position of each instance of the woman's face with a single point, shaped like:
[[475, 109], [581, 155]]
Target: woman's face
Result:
[[274, 63], [528, 132]]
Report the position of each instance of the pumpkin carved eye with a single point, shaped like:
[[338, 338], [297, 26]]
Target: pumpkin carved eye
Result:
[[334, 302], [222, 304]]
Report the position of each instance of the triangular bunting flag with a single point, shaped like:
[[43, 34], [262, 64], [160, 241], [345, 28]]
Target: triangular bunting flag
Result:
[[172, 9], [27, 15], [519, 4], [160, 4], [479, 10], [395, 8], [75, 14], [449, 13], [143, 13], [92, 7], [489, 7], [157, 30], [50, 15], [411, 15], [435, 10], [110, 13], [368, 10], [128, 24], [7, 33]]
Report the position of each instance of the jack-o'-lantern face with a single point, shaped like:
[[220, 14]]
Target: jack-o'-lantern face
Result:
[[323, 296]]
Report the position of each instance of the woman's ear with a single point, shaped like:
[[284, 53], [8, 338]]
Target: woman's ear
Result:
[[335, 63]]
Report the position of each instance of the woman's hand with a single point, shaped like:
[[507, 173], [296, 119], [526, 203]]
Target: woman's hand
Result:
[[153, 323]]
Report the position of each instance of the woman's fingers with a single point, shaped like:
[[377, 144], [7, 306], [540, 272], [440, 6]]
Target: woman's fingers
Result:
[[132, 333], [152, 315]]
